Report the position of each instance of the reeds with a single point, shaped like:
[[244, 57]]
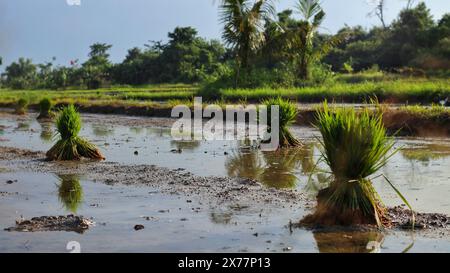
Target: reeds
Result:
[[70, 146]]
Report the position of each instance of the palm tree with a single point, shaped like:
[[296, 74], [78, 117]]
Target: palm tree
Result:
[[301, 37], [244, 27]]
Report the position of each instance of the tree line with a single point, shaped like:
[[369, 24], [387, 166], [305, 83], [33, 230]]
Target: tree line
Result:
[[260, 47]]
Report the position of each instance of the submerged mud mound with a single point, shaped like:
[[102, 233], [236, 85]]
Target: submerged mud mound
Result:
[[73, 223]]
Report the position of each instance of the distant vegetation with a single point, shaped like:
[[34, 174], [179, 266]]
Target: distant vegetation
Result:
[[262, 49]]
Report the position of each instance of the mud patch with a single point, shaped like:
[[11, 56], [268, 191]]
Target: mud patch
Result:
[[7, 153], [401, 218], [73, 223], [216, 191]]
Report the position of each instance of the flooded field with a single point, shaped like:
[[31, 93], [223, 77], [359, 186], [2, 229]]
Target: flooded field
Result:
[[176, 222]]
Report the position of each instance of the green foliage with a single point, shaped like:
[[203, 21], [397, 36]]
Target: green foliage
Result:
[[185, 58], [21, 74], [413, 39], [287, 116], [243, 29], [320, 74], [70, 146]]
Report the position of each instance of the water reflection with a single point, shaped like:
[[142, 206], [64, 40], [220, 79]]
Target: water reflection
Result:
[[136, 130], [100, 130], [70, 192], [349, 242], [248, 165], [185, 145], [221, 217], [23, 126], [426, 153], [274, 169], [46, 131]]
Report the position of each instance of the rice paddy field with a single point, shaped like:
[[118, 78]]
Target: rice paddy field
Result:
[[157, 194], [398, 90]]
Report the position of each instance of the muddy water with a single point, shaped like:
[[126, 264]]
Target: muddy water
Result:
[[420, 170]]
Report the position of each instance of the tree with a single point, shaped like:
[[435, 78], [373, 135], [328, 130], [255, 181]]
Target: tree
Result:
[[410, 3], [96, 69], [378, 11], [301, 37], [410, 33], [21, 74], [244, 28]]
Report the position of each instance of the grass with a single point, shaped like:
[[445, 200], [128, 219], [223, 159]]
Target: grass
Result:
[[355, 147], [287, 116], [425, 91], [345, 89], [118, 94], [433, 111], [70, 146]]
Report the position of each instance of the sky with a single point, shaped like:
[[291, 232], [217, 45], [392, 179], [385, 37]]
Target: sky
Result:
[[43, 29]]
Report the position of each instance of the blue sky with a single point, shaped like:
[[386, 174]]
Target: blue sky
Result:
[[41, 29]]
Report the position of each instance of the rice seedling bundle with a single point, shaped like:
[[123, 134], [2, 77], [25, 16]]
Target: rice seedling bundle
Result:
[[287, 115], [21, 106], [45, 109], [355, 147], [70, 146]]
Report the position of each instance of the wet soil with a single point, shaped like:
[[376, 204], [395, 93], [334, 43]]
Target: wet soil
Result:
[[219, 190], [401, 218], [215, 191], [73, 223]]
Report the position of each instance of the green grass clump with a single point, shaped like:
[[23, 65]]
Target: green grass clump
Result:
[[70, 146], [355, 146], [288, 113], [433, 111], [21, 106], [45, 109], [70, 192]]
